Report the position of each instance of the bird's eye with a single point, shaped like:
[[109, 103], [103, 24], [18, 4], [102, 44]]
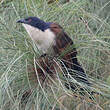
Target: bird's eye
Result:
[[28, 20]]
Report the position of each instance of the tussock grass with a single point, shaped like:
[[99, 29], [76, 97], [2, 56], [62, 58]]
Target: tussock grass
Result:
[[87, 23]]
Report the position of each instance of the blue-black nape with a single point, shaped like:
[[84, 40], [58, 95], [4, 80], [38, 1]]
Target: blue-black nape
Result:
[[35, 22]]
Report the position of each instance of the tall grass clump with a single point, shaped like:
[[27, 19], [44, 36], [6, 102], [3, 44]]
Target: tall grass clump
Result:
[[87, 22]]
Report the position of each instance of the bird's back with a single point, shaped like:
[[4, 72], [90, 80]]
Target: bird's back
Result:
[[65, 48]]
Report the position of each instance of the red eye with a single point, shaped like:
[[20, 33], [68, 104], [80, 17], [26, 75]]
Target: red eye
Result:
[[29, 20]]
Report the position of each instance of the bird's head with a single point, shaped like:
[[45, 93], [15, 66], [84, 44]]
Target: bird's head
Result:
[[40, 32], [35, 22], [45, 34]]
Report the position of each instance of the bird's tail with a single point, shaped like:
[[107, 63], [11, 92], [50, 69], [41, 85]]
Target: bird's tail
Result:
[[74, 69]]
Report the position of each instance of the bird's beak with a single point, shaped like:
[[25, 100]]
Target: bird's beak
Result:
[[21, 21]]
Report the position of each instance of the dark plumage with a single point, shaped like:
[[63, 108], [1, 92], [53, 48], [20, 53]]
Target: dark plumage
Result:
[[35, 22], [70, 58]]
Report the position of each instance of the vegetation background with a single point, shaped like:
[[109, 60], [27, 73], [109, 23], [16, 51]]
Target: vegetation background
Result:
[[88, 24]]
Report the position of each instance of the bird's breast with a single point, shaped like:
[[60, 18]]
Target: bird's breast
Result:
[[43, 39]]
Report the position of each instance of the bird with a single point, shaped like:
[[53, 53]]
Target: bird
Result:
[[51, 39]]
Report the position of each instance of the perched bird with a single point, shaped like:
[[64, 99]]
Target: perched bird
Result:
[[51, 40]]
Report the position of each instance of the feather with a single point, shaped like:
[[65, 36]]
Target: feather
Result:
[[69, 59]]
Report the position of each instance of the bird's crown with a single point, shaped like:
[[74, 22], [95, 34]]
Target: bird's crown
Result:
[[35, 22]]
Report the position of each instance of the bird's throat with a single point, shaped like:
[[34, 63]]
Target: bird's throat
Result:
[[43, 39]]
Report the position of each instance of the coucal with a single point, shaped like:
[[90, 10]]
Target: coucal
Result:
[[51, 40]]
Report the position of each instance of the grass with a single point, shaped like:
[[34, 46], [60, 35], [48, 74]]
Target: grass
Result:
[[86, 22]]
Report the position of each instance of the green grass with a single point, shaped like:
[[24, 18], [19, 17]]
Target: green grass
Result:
[[86, 22]]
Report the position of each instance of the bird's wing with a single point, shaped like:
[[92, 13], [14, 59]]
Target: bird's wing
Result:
[[69, 59]]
